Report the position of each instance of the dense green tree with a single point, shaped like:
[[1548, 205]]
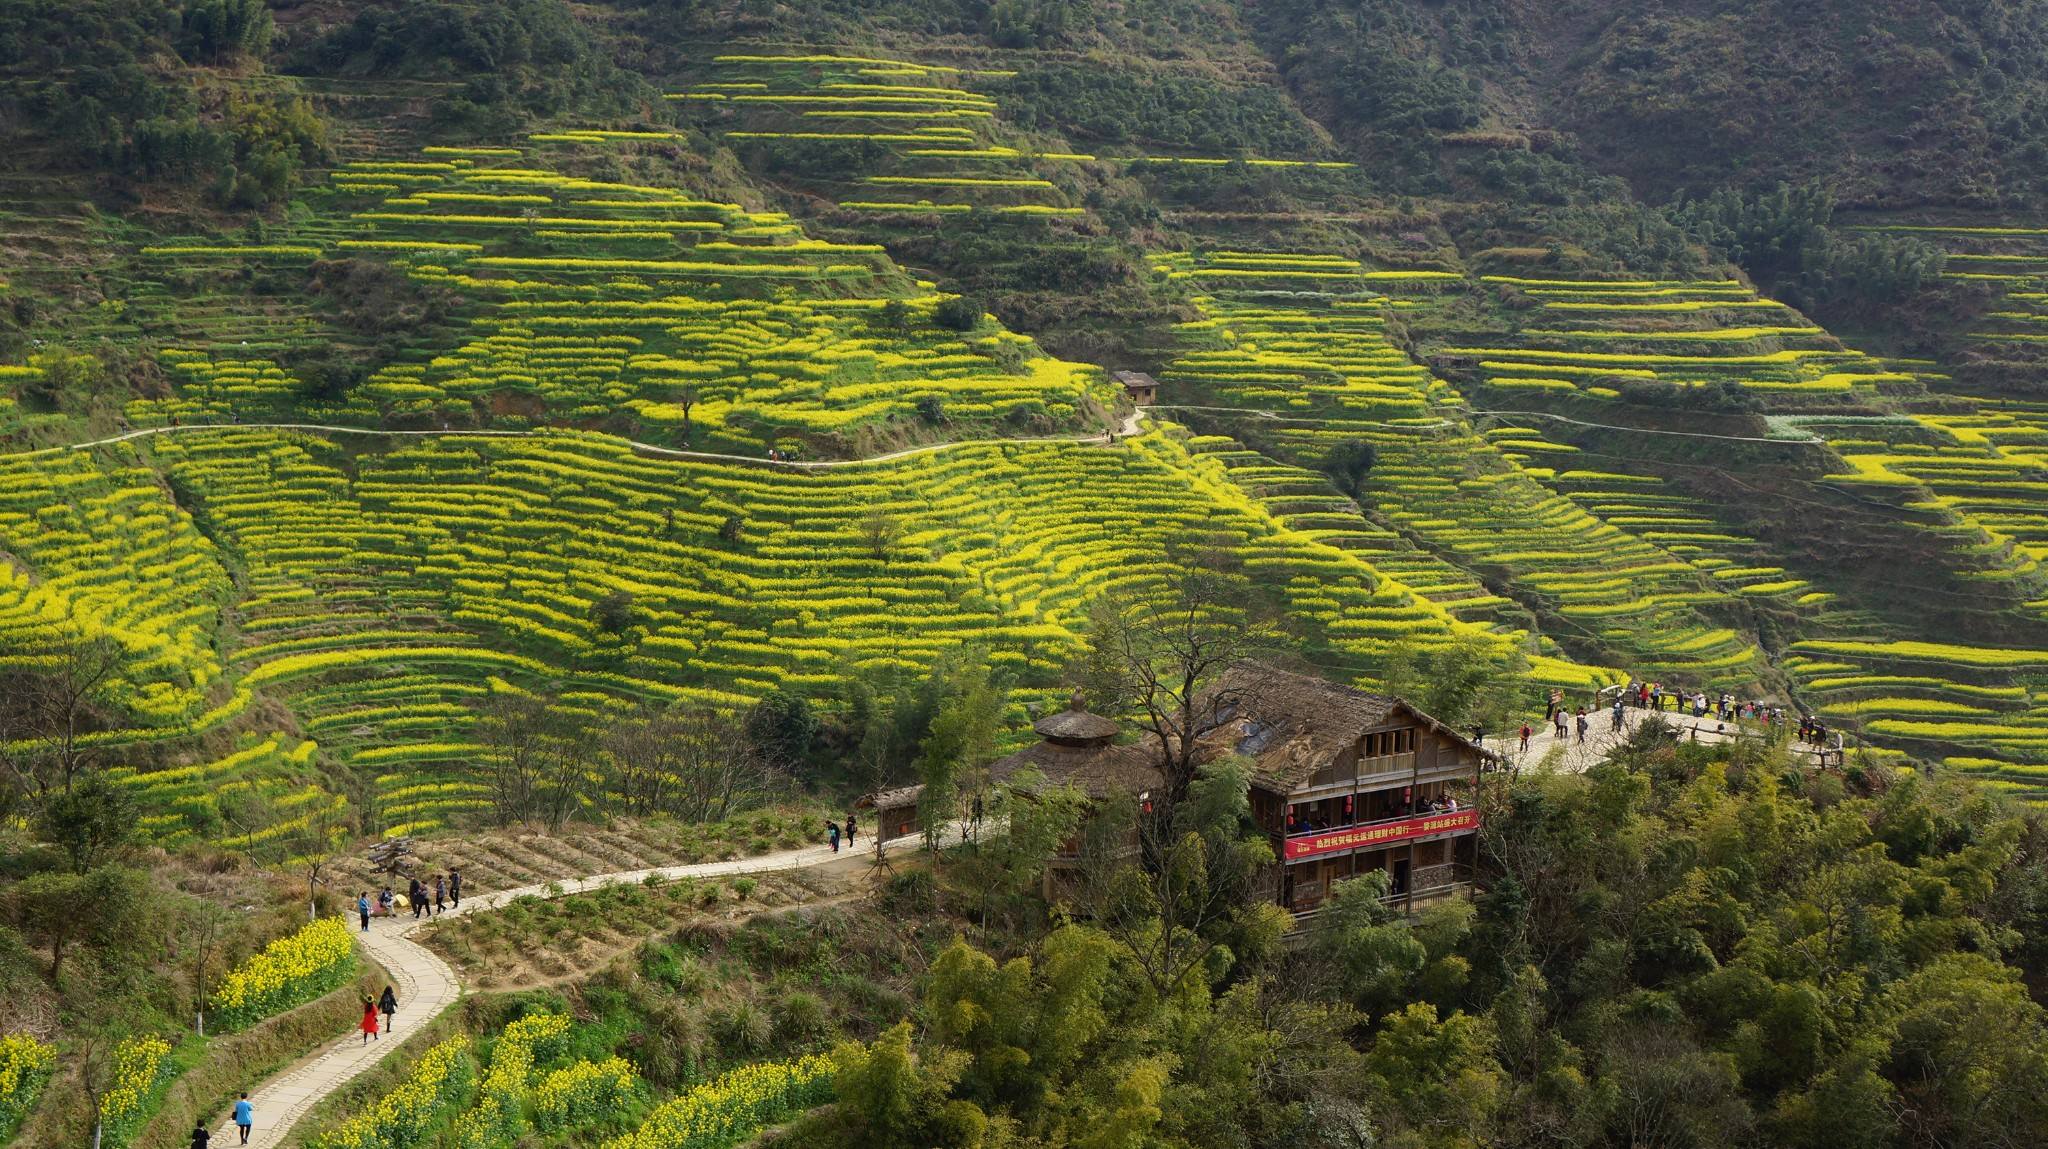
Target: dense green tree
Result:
[[90, 822]]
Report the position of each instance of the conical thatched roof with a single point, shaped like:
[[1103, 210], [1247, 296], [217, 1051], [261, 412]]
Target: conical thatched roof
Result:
[[1075, 726]]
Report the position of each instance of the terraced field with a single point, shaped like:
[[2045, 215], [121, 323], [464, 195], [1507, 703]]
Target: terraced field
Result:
[[896, 143], [597, 301], [387, 592], [1301, 337], [597, 310]]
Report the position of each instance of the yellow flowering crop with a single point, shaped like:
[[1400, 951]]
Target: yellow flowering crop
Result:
[[139, 1068], [402, 1117], [25, 1067], [734, 1106], [290, 971]]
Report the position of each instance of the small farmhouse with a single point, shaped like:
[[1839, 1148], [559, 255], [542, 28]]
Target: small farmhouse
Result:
[[1345, 780]]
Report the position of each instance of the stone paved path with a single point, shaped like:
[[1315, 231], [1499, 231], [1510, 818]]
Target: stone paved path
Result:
[[1602, 739], [426, 985]]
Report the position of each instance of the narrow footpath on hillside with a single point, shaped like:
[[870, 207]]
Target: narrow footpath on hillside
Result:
[[1130, 426], [426, 985]]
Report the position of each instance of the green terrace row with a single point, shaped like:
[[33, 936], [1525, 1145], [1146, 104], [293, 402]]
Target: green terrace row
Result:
[[1640, 503], [2011, 260], [1594, 337], [942, 144]]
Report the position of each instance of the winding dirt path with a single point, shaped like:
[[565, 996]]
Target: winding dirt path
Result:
[[427, 986]]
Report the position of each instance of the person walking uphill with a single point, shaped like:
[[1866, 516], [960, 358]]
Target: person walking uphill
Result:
[[455, 888], [388, 1004], [199, 1134], [849, 831], [832, 832], [245, 1116], [440, 893], [370, 1019]]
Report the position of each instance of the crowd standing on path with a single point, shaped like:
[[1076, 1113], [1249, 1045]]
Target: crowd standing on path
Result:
[[1725, 709]]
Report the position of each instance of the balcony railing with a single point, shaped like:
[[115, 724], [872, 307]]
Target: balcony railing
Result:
[[1305, 832], [1337, 772]]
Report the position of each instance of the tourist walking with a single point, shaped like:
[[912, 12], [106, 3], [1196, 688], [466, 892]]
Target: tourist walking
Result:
[[245, 1116], [369, 1025], [1558, 717], [387, 1003], [199, 1134], [363, 908], [455, 888], [440, 893], [832, 832], [1525, 737], [1584, 723], [417, 895], [849, 831]]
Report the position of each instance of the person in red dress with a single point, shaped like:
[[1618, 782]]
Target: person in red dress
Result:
[[370, 1020]]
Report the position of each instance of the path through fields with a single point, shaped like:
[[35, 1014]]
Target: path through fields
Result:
[[1130, 427], [426, 985]]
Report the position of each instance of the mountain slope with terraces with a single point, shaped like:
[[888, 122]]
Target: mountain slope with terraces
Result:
[[1598, 451]]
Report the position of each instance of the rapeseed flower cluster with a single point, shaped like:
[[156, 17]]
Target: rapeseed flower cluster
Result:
[[25, 1067], [734, 1106], [403, 1116], [577, 1095], [139, 1067], [290, 971], [499, 1116]]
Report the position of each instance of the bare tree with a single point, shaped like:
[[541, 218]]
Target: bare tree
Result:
[[694, 763], [1157, 655], [304, 841], [45, 714], [208, 926]]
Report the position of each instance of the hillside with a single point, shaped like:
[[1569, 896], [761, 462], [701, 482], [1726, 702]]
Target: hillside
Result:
[[658, 424]]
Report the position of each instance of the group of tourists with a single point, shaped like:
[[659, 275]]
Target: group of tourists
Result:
[[419, 897], [835, 833], [1659, 698], [245, 1111]]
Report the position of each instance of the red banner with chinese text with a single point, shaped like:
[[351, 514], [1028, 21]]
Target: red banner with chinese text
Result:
[[1308, 846]]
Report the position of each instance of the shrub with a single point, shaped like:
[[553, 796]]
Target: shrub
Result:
[[741, 1028], [958, 313], [800, 1017]]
